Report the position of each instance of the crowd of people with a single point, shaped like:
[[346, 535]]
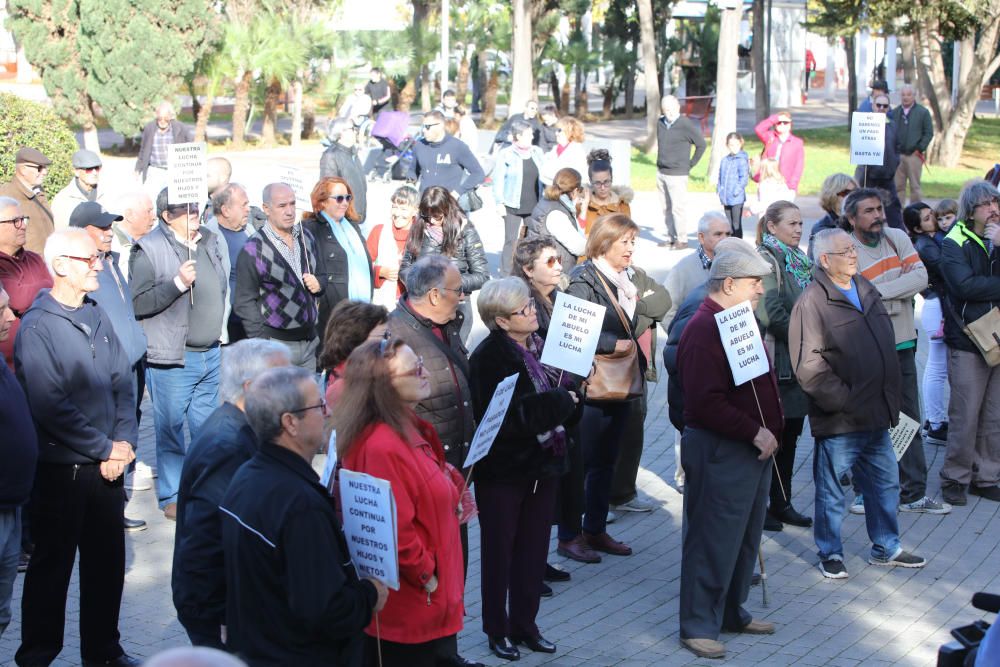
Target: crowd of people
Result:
[[255, 332]]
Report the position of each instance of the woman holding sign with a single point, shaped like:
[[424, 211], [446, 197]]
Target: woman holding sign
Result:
[[516, 481], [378, 433]]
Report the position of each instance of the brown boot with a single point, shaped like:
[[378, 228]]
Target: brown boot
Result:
[[577, 549], [607, 544], [705, 648]]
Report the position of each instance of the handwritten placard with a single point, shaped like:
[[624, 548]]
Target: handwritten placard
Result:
[[742, 342], [573, 334], [902, 434], [370, 526], [867, 138], [187, 177], [492, 420], [301, 184]]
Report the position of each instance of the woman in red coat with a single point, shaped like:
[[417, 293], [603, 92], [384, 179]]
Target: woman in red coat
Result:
[[378, 433]]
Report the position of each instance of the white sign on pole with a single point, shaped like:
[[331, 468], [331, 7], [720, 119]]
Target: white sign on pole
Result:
[[187, 177], [573, 334], [867, 138], [370, 526], [492, 420], [300, 183], [742, 342], [902, 434]]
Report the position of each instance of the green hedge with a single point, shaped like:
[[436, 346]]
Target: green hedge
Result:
[[27, 123]]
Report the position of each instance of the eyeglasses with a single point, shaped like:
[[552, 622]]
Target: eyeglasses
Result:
[[417, 370], [601, 184], [19, 222], [846, 252], [321, 406], [987, 203], [39, 167], [844, 193], [456, 290], [340, 199], [527, 310], [92, 261], [553, 260]]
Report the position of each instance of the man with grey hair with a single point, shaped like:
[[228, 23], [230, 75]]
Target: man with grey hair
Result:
[[914, 131], [340, 160], [676, 135], [157, 136], [226, 442], [228, 216], [23, 272], [969, 263], [843, 351], [83, 188], [692, 271], [292, 594], [730, 435], [138, 218]]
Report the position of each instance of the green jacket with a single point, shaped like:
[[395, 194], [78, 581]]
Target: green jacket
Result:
[[913, 133], [653, 305]]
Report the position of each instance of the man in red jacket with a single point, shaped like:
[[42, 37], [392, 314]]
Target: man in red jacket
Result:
[[781, 145], [23, 272]]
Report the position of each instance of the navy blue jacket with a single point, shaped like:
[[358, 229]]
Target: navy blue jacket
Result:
[[78, 381], [115, 298], [445, 163], [675, 393], [19, 444]]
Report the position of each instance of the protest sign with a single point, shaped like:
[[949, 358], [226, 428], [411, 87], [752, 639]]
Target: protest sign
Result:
[[902, 434], [867, 138], [573, 334], [187, 178], [492, 420], [742, 342], [369, 522], [301, 184]]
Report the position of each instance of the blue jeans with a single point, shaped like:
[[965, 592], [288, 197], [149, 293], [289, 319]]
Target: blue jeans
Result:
[[183, 392], [10, 552], [871, 455]]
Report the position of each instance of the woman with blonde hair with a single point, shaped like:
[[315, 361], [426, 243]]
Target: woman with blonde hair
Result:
[[831, 200], [568, 151]]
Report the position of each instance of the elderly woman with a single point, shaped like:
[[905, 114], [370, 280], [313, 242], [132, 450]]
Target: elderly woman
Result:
[[516, 187], [605, 197], [606, 279], [568, 151], [831, 199], [559, 215], [516, 482], [351, 323], [387, 243], [778, 238], [379, 433], [345, 263]]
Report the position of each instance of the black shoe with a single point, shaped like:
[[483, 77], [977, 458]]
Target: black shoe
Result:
[[790, 516], [953, 493], [988, 492], [503, 648], [134, 525], [537, 644], [124, 660], [772, 524], [555, 574], [458, 661], [940, 433], [546, 591]]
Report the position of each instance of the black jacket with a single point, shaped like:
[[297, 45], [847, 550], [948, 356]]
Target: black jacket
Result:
[[333, 266], [448, 163], [516, 454], [198, 577], [338, 160], [584, 284], [19, 444], [469, 258], [535, 227], [449, 406], [503, 138], [675, 393], [292, 595], [673, 146], [929, 250], [181, 133], [78, 380], [972, 283]]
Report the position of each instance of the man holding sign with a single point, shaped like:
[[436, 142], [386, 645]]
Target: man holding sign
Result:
[[729, 438]]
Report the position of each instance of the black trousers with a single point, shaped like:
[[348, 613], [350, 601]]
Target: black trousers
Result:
[[74, 508], [601, 429], [394, 654], [512, 222], [785, 460], [725, 494], [202, 633], [570, 495], [629, 454], [734, 214]]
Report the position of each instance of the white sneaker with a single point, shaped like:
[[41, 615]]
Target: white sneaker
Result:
[[136, 483], [143, 469], [612, 517], [858, 506]]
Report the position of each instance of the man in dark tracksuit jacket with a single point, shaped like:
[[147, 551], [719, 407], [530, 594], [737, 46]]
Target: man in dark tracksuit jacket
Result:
[[441, 159]]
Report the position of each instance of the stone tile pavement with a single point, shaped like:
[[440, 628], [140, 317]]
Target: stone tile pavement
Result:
[[623, 611]]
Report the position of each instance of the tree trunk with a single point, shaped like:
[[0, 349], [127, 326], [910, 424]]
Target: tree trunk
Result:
[[580, 104], [425, 88], [725, 87], [268, 132], [296, 138], [909, 67], [565, 93], [648, 37], [204, 113], [195, 105], [850, 47], [762, 98], [521, 75], [489, 117], [608, 105], [241, 105], [630, 92], [556, 97], [407, 96], [462, 85], [91, 140], [308, 117]]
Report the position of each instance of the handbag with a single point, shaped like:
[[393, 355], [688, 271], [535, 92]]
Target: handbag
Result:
[[984, 332], [615, 376], [470, 201]]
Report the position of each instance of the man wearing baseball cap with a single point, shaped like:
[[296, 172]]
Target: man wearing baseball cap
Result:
[[730, 434], [83, 188], [30, 168]]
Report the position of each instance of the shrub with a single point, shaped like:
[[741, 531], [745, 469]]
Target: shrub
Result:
[[27, 123]]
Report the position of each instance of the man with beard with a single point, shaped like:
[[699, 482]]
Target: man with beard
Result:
[[887, 259]]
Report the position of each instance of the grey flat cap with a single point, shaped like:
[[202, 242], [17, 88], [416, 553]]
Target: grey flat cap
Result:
[[735, 258], [31, 156], [84, 159]]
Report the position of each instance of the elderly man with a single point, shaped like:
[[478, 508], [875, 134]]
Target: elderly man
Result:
[[441, 159], [341, 159], [775, 132], [138, 218], [914, 131], [30, 168], [22, 271], [157, 136], [78, 381], [231, 212], [198, 577], [843, 351], [19, 452], [181, 309], [276, 283], [730, 435], [887, 259], [87, 172], [972, 281], [692, 271], [676, 135], [292, 595]]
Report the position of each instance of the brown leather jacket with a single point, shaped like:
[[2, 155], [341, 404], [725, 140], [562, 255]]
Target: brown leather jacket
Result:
[[36, 207]]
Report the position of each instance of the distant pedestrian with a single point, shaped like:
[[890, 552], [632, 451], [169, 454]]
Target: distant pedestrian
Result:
[[83, 188], [775, 132], [676, 135], [568, 151], [734, 175], [517, 187], [883, 176], [441, 159], [914, 132], [377, 89], [341, 160], [157, 136]]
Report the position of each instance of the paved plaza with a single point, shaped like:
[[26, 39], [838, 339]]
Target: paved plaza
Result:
[[624, 611]]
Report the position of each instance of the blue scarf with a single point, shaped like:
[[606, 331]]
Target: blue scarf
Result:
[[359, 275]]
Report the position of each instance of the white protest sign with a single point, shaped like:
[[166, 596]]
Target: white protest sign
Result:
[[187, 178], [301, 184], [492, 420], [742, 342], [902, 434], [867, 138], [370, 526], [573, 334]]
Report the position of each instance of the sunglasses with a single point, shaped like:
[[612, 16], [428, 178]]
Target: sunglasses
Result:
[[91, 170], [19, 223], [429, 126], [784, 122], [92, 261], [881, 106], [553, 260], [340, 199], [844, 193]]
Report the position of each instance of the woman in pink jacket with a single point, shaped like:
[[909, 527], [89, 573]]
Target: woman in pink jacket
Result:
[[780, 144]]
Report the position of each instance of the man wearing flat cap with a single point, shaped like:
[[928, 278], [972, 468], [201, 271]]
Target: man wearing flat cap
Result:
[[730, 434], [30, 168], [87, 168]]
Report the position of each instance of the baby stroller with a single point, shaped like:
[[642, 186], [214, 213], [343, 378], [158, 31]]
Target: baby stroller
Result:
[[391, 159]]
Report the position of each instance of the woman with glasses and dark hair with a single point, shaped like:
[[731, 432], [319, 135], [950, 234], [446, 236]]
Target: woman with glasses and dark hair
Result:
[[379, 433], [516, 481], [345, 265], [605, 197], [441, 228]]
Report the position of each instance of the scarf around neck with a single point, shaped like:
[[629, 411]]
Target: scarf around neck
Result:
[[797, 264], [628, 293], [544, 378]]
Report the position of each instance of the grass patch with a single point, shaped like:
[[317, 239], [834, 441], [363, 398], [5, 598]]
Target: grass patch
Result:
[[827, 152]]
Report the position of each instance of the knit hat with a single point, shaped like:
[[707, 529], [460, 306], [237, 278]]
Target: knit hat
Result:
[[735, 258]]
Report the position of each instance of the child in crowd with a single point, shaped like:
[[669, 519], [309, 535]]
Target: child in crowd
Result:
[[734, 174], [770, 188], [386, 246], [946, 211]]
